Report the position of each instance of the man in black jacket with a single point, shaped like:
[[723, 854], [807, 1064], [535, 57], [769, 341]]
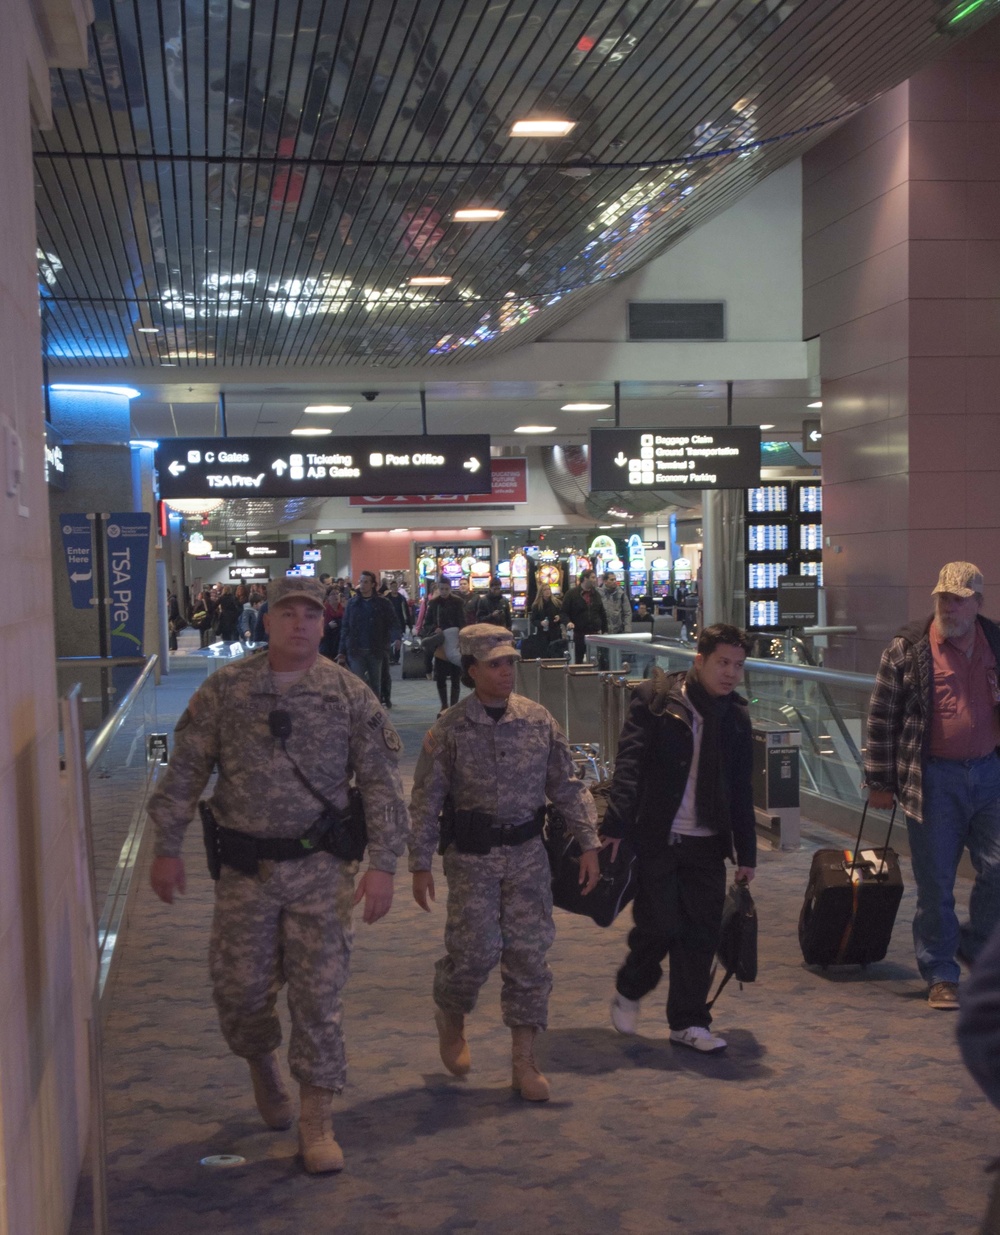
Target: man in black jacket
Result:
[[491, 607], [583, 609], [682, 795]]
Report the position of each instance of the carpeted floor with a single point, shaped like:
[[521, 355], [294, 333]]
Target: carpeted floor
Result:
[[840, 1105]]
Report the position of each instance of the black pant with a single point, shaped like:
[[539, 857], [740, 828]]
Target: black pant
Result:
[[386, 680], [677, 910], [579, 646], [444, 671]]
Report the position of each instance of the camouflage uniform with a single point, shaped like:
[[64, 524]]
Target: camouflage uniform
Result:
[[292, 922], [500, 903]]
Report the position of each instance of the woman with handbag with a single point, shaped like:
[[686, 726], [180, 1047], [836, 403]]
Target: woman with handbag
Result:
[[546, 618]]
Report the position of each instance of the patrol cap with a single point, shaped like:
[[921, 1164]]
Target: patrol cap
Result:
[[959, 579], [300, 588], [486, 642]]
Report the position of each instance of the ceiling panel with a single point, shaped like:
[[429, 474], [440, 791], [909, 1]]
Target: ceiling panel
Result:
[[258, 180]]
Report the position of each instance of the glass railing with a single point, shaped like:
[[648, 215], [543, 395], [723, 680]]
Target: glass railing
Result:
[[828, 708], [119, 777]]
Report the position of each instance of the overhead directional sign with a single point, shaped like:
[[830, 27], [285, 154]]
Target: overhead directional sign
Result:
[[333, 467], [247, 550], [812, 435], [699, 458]]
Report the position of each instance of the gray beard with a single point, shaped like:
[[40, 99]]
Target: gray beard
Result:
[[952, 628]]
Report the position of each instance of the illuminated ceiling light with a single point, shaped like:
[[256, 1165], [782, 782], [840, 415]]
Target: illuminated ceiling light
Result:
[[473, 529], [185, 355], [194, 505], [430, 280], [127, 391], [323, 531], [251, 533], [535, 429], [477, 214], [167, 364], [966, 11], [544, 527], [398, 531], [818, 403], [311, 432], [542, 128], [585, 407], [147, 330], [767, 426], [138, 441], [327, 409]]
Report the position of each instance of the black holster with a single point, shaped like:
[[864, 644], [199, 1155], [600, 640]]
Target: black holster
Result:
[[473, 831], [210, 831], [346, 832], [447, 822]]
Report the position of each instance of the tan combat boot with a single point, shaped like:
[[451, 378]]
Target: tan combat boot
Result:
[[527, 1080], [269, 1091], [451, 1039], [320, 1152]]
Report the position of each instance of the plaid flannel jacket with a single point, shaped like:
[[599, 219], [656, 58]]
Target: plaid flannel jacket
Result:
[[899, 714]]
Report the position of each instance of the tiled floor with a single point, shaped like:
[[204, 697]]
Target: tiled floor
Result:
[[841, 1104]]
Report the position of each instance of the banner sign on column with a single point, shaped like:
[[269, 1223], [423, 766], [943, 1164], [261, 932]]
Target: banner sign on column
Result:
[[79, 550], [127, 538]]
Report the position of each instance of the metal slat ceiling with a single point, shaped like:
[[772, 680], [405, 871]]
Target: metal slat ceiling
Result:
[[259, 179]]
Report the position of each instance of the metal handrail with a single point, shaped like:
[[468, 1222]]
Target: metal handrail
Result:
[[809, 673], [102, 738], [101, 662]]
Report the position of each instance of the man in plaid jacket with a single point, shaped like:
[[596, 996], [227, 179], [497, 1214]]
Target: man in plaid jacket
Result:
[[933, 733]]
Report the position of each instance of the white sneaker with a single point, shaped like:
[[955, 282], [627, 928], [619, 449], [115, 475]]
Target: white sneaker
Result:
[[698, 1038], [625, 1014]]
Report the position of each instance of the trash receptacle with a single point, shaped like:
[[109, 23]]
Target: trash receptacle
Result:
[[776, 783]]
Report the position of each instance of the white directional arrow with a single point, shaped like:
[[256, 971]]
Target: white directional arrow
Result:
[[620, 458], [78, 578], [279, 466], [472, 464], [176, 468]]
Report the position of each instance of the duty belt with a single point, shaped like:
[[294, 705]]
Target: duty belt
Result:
[[474, 831], [518, 833]]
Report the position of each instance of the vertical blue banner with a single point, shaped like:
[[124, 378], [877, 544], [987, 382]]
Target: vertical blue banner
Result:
[[78, 549], [127, 539]]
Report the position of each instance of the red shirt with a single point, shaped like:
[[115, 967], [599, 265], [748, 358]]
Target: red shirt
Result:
[[964, 720]]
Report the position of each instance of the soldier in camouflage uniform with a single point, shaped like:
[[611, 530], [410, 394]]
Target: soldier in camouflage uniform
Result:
[[285, 729], [489, 763]]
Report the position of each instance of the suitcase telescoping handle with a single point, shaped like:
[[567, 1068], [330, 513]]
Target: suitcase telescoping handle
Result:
[[885, 848]]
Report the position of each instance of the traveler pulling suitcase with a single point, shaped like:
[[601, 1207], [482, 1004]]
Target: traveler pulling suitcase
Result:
[[851, 903]]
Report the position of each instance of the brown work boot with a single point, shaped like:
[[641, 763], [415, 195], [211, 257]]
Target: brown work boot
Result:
[[269, 1091], [527, 1080], [320, 1152], [451, 1039]]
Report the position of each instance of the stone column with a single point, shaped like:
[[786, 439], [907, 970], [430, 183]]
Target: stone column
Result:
[[901, 261]]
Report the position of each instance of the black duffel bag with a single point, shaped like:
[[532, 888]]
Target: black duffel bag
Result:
[[616, 887], [737, 950]]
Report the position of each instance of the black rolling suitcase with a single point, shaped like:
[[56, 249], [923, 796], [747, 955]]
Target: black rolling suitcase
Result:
[[414, 663], [851, 903]]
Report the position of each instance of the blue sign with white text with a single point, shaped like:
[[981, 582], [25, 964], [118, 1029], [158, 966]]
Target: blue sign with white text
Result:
[[79, 550], [127, 538]]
